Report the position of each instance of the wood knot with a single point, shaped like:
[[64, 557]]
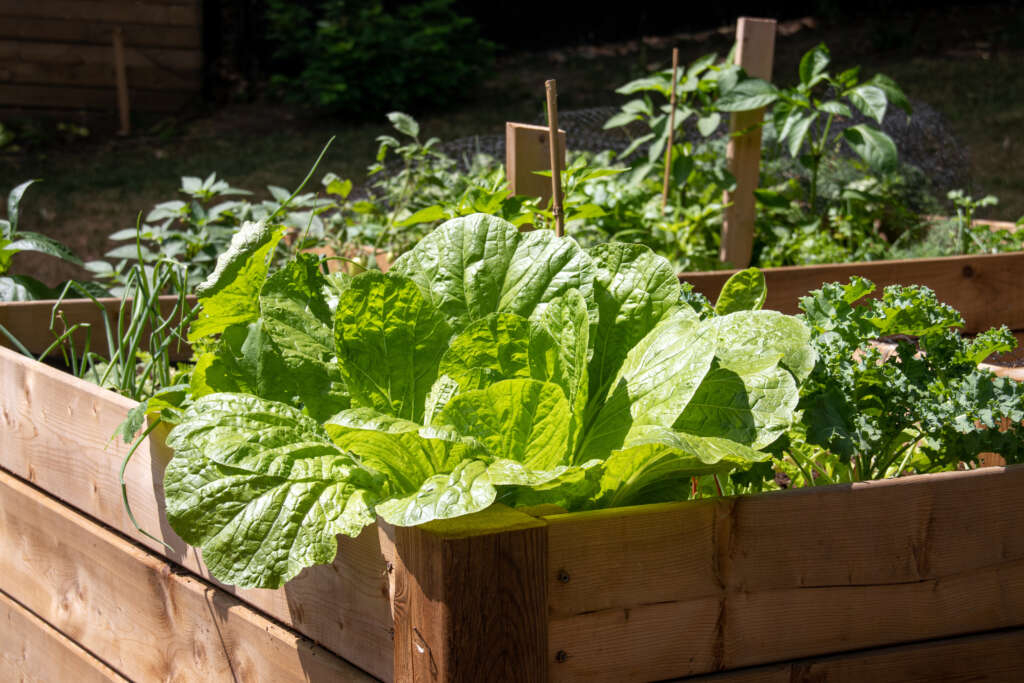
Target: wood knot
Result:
[[968, 271]]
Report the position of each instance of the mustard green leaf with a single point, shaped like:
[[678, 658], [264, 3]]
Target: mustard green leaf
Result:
[[229, 295], [389, 341]]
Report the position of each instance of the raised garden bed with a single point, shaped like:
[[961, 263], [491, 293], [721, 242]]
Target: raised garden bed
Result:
[[29, 322], [910, 578], [980, 286]]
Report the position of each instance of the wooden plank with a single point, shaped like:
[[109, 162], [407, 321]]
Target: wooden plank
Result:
[[992, 656], [90, 99], [137, 11], [29, 322], [980, 287], [526, 151], [52, 30], [96, 75], [54, 432], [92, 66], [687, 588], [133, 610], [468, 598], [35, 651], [755, 50], [175, 61]]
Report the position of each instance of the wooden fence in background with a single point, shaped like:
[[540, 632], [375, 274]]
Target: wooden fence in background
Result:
[[58, 55]]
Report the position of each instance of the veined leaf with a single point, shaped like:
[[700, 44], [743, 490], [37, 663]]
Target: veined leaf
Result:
[[635, 289], [476, 265], [261, 489], [874, 146], [654, 385], [523, 420], [407, 459], [297, 317], [656, 465], [871, 101], [229, 295], [491, 349], [746, 336], [752, 405], [32, 241], [747, 95], [389, 342], [465, 490], [745, 290]]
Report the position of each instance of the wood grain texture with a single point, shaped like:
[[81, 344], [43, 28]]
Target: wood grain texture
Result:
[[132, 610], [755, 52], [51, 30], [526, 151], [688, 588], [75, 65], [977, 286], [127, 11], [29, 322], [32, 651], [67, 97], [469, 605], [55, 432], [994, 656]]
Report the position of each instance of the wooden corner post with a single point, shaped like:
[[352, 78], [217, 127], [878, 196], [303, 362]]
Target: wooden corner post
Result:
[[755, 49], [469, 597]]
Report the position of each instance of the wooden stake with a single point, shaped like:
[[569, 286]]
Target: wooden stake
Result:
[[551, 87], [755, 41], [671, 128], [526, 152], [122, 83]]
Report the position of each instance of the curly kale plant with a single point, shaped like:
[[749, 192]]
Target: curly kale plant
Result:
[[927, 408], [487, 366]]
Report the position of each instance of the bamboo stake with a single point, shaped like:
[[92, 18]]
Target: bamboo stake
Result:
[[556, 167], [122, 83], [671, 129]]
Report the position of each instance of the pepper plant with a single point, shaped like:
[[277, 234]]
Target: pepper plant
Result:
[[19, 287]]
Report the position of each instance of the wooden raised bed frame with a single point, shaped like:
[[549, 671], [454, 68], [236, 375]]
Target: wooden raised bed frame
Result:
[[921, 576]]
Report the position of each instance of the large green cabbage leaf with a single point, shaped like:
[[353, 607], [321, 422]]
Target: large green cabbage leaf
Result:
[[488, 365]]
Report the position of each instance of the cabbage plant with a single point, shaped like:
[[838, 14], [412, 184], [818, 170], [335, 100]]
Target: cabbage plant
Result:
[[488, 366]]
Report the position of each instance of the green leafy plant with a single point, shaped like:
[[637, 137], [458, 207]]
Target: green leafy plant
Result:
[[697, 91], [929, 407], [360, 57], [965, 208], [137, 360], [487, 365], [822, 97], [15, 287]]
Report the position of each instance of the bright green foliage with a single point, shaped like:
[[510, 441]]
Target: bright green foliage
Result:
[[229, 295], [255, 478], [14, 241], [489, 365], [918, 411], [743, 291]]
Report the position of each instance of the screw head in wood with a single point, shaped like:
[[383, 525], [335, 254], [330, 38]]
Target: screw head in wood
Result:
[[563, 576], [561, 656]]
